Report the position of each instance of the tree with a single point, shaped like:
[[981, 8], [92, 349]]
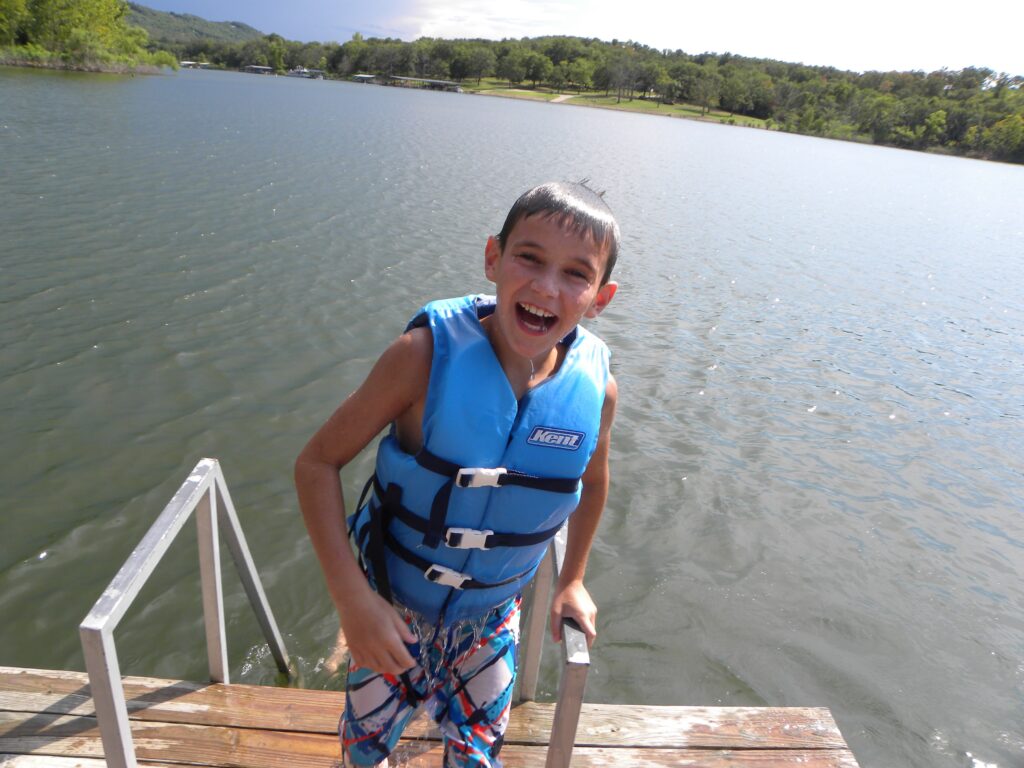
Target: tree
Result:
[[422, 57], [442, 54], [1005, 139], [482, 62], [935, 127], [256, 52], [349, 57], [581, 74], [559, 76], [647, 76], [707, 88], [622, 72], [736, 92], [538, 67], [512, 66], [79, 32], [13, 14], [686, 74], [275, 52], [881, 117], [666, 88]]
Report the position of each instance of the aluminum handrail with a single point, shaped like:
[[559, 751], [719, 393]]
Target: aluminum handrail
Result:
[[575, 657], [201, 492]]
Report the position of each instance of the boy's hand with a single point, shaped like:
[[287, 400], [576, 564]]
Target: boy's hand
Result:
[[377, 635], [573, 602]]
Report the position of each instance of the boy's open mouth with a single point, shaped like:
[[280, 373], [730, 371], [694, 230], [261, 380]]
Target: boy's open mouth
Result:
[[535, 319]]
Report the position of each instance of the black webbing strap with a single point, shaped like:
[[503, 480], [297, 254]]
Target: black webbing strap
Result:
[[439, 506], [440, 466], [423, 564], [438, 512], [391, 498], [453, 537]]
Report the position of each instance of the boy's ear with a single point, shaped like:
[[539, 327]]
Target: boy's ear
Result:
[[604, 296], [492, 252]]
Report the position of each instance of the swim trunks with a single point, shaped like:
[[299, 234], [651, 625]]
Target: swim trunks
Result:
[[464, 678]]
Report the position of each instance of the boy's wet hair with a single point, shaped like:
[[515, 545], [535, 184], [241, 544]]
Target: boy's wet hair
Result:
[[578, 206]]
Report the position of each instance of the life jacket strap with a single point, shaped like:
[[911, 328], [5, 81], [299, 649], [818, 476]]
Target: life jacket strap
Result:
[[493, 477], [370, 538], [439, 574], [477, 477], [461, 538]]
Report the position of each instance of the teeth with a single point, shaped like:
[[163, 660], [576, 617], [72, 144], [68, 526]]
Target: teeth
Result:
[[536, 311]]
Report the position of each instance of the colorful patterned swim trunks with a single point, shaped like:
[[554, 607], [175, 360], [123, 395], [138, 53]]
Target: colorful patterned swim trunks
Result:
[[464, 678]]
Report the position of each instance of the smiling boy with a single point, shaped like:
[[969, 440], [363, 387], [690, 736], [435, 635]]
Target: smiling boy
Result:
[[500, 411]]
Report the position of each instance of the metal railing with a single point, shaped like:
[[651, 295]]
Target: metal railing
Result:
[[575, 657], [206, 493]]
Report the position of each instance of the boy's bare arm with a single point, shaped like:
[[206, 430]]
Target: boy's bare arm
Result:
[[571, 598], [376, 633]]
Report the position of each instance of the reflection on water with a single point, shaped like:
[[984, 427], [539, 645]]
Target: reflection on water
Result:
[[816, 476]]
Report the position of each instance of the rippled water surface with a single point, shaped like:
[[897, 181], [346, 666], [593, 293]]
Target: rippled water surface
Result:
[[817, 479]]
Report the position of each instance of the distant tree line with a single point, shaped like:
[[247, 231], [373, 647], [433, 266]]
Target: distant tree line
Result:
[[85, 34], [973, 111]]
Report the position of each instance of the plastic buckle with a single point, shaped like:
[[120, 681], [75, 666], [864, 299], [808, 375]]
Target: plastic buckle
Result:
[[466, 538], [480, 477], [438, 574]]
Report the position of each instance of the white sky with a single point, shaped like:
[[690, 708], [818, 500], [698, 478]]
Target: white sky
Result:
[[870, 34]]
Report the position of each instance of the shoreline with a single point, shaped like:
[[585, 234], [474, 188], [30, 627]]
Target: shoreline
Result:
[[9, 59], [636, 105], [733, 121], [737, 121]]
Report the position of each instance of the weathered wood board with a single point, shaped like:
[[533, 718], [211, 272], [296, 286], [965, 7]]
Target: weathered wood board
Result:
[[47, 718]]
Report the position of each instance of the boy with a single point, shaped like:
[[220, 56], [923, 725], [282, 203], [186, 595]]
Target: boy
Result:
[[500, 412]]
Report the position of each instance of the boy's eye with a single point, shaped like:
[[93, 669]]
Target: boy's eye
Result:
[[579, 275]]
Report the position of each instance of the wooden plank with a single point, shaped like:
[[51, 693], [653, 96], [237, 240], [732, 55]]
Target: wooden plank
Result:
[[249, 706], [679, 727], [170, 742], [417, 756], [57, 735], [51, 761], [414, 754], [318, 711]]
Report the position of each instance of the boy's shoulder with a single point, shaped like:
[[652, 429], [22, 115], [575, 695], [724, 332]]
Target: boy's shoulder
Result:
[[473, 305]]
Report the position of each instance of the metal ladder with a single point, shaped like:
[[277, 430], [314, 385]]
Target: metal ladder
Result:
[[205, 492]]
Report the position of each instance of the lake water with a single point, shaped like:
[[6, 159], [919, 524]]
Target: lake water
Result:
[[817, 479]]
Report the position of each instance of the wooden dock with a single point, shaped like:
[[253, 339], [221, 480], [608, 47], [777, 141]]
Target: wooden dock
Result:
[[47, 719]]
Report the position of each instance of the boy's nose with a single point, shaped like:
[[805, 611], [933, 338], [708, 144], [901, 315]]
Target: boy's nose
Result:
[[544, 283]]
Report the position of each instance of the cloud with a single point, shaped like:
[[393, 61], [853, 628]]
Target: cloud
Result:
[[494, 21]]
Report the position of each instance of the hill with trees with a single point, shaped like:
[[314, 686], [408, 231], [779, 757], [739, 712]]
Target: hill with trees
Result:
[[184, 27], [83, 34]]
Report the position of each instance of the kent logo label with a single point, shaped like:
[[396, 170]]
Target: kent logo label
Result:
[[556, 438]]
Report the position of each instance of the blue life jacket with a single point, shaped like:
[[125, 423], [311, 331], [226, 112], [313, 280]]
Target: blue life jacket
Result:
[[461, 526]]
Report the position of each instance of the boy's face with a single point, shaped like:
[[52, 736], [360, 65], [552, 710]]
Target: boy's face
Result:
[[547, 278]]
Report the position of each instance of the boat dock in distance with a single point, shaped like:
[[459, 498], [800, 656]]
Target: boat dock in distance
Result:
[[409, 82]]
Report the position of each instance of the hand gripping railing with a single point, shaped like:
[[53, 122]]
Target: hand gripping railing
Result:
[[206, 492], [575, 658]]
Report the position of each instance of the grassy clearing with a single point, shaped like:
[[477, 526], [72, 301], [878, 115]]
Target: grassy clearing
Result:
[[495, 87], [512, 93]]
